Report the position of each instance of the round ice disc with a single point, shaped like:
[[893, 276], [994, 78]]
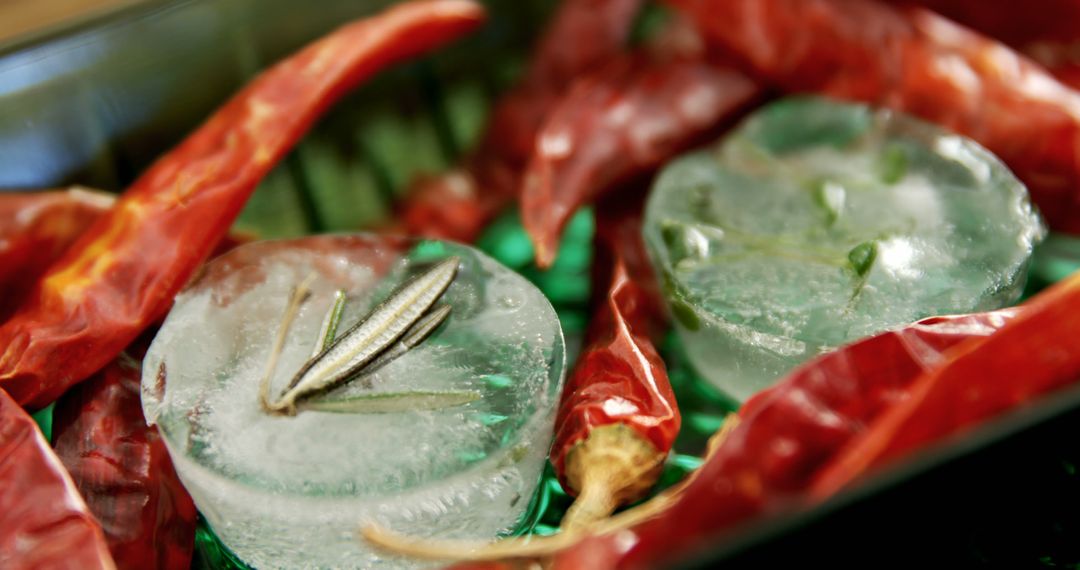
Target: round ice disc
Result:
[[291, 492], [818, 222]]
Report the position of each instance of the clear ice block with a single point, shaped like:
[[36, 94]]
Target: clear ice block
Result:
[[291, 492], [817, 222]]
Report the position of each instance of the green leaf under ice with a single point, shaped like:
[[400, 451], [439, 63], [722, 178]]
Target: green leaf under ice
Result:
[[390, 402]]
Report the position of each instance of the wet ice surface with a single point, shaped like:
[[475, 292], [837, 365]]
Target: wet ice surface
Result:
[[290, 492], [816, 223]]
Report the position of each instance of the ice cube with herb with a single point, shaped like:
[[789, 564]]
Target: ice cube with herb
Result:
[[817, 222], [441, 428]]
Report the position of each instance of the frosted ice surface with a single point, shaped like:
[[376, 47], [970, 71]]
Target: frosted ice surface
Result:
[[290, 492], [818, 222]]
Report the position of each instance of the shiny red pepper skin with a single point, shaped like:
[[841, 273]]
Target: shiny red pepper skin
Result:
[[620, 123], [619, 378], [786, 436], [582, 35], [1018, 24], [35, 229], [915, 61], [1048, 32], [1033, 355], [124, 271], [123, 471], [43, 521]]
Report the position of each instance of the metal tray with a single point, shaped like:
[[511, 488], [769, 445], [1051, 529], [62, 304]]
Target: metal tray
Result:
[[95, 101]]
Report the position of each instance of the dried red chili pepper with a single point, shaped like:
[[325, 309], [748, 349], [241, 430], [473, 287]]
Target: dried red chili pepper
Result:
[[619, 123], [122, 469], [1012, 22], [124, 271], [789, 433], [1049, 33], [43, 521], [915, 61], [618, 418], [582, 35], [785, 437], [452, 205], [35, 228], [984, 377]]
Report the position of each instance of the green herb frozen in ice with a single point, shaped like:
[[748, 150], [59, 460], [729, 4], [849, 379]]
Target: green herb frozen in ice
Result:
[[818, 222]]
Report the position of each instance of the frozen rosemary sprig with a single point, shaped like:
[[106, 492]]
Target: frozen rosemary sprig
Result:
[[389, 402], [398, 324]]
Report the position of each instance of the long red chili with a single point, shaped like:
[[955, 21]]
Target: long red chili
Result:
[[123, 471], [984, 377], [582, 35], [35, 229], [124, 271], [790, 433], [43, 521], [915, 61], [618, 417], [620, 123]]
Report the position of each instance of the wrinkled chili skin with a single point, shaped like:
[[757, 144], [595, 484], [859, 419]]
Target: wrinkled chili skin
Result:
[[123, 470], [1031, 356], [125, 269], [619, 378], [43, 521], [35, 229], [785, 437], [621, 123], [452, 205], [1049, 32], [582, 35], [915, 61], [1018, 24], [618, 239]]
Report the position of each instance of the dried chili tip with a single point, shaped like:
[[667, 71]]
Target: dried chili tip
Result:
[[618, 124], [612, 466]]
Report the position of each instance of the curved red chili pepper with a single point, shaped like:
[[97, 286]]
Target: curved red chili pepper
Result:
[[789, 434], [123, 471], [619, 380], [43, 521], [1033, 355], [620, 123], [1012, 22], [1049, 33], [124, 271], [582, 35], [35, 229], [915, 61]]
